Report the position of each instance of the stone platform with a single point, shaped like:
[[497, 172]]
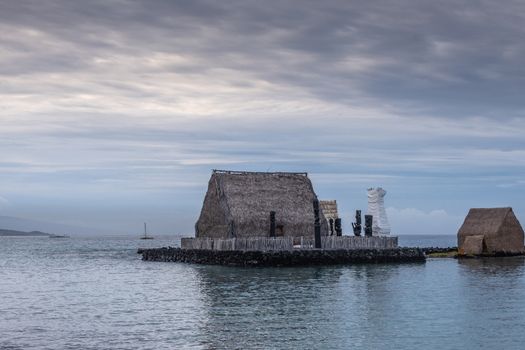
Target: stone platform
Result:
[[283, 258]]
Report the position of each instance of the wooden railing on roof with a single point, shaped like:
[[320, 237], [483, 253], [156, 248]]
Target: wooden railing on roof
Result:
[[234, 172]]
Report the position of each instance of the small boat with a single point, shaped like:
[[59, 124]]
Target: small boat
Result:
[[51, 235], [146, 234]]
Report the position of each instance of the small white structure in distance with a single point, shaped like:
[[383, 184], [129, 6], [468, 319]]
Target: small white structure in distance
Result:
[[376, 207]]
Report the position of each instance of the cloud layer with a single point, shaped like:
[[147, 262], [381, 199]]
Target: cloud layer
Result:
[[140, 99]]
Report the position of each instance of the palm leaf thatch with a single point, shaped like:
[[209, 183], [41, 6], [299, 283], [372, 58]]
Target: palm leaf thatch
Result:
[[329, 208], [491, 230], [238, 204]]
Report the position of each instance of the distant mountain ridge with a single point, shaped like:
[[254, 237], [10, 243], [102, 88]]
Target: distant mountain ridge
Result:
[[30, 225], [21, 233]]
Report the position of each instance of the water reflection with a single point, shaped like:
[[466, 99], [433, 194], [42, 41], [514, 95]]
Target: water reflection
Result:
[[493, 266], [490, 299], [256, 307], [507, 272], [294, 307]]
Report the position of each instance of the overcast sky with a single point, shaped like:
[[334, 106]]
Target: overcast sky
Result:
[[114, 112]]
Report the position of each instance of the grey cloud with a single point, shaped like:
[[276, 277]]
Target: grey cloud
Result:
[[447, 58]]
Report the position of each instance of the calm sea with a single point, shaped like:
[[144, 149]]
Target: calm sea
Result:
[[96, 293]]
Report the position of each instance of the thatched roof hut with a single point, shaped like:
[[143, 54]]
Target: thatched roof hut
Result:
[[491, 231], [329, 208], [238, 204]]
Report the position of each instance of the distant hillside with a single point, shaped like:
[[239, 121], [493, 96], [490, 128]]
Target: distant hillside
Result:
[[21, 233], [29, 225]]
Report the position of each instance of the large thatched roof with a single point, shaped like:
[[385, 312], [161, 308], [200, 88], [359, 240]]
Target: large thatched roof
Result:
[[239, 204], [499, 227]]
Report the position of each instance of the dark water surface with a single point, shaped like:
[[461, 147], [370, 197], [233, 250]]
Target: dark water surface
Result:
[[96, 293]]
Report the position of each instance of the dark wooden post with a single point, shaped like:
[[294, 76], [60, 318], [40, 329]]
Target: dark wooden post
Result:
[[368, 224], [338, 228], [317, 225], [331, 221], [272, 224], [357, 225], [231, 226]]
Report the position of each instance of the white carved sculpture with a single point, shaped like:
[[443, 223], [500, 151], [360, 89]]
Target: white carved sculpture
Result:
[[376, 207]]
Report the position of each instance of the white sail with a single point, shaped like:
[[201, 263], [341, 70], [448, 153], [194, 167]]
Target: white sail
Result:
[[376, 207]]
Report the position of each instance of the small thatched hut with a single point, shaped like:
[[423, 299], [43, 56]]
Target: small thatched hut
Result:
[[329, 208], [491, 231], [238, 204]]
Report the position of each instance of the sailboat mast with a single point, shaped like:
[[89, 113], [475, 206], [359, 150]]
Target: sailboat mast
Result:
[[145, 234]]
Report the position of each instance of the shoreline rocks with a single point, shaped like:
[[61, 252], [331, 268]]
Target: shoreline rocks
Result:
[[434, 250], [283, 258], [452, 252]]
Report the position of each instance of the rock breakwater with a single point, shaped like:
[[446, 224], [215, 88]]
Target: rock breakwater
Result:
[[283, 258], [436, 250]]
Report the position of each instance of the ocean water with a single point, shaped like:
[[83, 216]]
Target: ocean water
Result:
[[96, 293], [442, 241]]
